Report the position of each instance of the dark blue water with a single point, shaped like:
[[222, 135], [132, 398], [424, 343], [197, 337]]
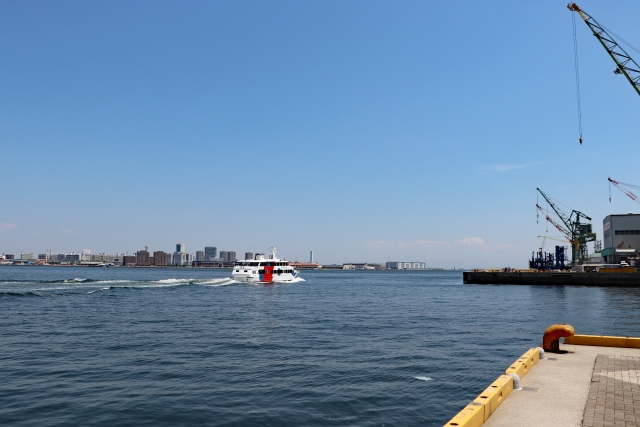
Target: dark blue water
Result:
[[120, 347]]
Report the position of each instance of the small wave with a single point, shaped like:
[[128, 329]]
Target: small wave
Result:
[[112, 281], [423, 378], [75, 280], [19, 294], [217, 282], [173, 281], [101, 289]]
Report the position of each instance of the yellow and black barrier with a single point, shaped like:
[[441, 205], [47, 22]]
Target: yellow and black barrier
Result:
[[521, 366], [603, 341], [478, 411]]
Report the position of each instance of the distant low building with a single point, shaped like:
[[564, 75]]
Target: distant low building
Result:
[[332, 266], [363, 266], [72, 258], [105, 258], [218, 263], [305, 265], [405, 265], [129, 260]]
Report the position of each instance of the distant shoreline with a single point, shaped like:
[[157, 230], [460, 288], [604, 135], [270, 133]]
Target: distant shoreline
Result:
[[188, 267]]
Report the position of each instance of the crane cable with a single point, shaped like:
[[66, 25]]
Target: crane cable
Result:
[[575, 57], [609, 191]]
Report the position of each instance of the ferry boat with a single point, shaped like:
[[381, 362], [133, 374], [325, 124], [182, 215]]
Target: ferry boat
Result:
[[264, 270]]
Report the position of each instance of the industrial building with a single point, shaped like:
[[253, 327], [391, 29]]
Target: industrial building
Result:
[[621, 238], [395, 265]]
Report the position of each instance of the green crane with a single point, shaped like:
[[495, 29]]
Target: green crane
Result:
[[580, 233], [624, 63]]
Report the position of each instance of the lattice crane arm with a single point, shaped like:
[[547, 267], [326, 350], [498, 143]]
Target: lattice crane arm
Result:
[[566, 220], [551, 238], [567, 234], [624, 190], [625, 64]]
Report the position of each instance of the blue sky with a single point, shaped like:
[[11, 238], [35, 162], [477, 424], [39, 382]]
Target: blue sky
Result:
[[364, 131]]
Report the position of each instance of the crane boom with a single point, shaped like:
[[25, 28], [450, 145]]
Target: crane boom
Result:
[[553, 238], [566, 220], [622, 188], [624, 63], [566, 233]]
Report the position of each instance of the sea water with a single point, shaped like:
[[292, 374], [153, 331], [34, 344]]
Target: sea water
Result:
[[154, 347]]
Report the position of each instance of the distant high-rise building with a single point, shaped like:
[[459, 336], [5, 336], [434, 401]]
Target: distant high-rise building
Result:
[[200, 256], [179, 258], [169, 258], [311, 257], [210, 252], [248, 255], [180, 247], [159, 258], [228, 256], [86, 255], [142, 258]]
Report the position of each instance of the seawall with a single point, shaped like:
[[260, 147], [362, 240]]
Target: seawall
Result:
[[551, 278]]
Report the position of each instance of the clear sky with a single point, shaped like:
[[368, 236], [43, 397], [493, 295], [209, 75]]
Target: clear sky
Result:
[[361, 130]]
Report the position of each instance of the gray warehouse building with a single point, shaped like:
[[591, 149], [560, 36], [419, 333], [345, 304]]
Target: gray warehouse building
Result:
[[621, 238], [395, 265]]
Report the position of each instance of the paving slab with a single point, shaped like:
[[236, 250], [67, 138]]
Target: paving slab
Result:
[[586, 386]]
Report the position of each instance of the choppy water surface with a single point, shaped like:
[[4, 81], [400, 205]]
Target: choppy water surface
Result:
[[116, 347]]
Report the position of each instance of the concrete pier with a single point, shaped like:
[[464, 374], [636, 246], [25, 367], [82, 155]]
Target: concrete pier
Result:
[[551, 278], [588, 386]]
